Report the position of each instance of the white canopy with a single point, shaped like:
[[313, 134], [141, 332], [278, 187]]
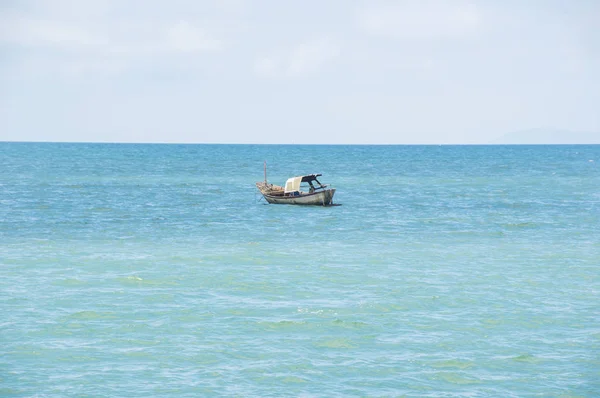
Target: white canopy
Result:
[[293, 184]]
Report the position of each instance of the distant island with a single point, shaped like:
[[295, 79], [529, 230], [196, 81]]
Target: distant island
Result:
[[548, 136]]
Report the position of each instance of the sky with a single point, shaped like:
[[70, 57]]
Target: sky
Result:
[[311, 71]]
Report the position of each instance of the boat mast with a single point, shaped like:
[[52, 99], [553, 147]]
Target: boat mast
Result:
[[265, 165]]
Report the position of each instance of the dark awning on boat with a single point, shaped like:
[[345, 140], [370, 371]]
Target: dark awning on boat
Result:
[[310, 177]]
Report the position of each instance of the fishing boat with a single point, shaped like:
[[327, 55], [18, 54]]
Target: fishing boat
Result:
[[300, 190]]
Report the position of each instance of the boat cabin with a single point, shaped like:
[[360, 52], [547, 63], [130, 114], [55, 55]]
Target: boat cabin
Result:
[[302, 185]]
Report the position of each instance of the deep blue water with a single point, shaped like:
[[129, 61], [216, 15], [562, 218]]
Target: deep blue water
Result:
[[156, 270]]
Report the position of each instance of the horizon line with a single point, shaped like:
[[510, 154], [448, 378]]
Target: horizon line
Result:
[[291, 144]]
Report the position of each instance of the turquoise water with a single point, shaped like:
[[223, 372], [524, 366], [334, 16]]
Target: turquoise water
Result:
[[156, 270]]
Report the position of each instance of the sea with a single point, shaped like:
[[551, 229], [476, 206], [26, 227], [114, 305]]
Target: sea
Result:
[[140, 270]]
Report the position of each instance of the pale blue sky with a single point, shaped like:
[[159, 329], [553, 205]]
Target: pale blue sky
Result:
[[252, 71]]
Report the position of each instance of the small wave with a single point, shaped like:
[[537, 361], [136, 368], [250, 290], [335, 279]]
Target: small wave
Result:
[[350, 324], [91, 315], [337, 343], [455, 378], [69, 282], [138, 281], [279, 325], [78, 359], [294, 380], [521, 225], [453, 363], [527, 358]]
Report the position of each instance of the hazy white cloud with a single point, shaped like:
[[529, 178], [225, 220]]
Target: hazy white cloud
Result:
[[233, 6], [303, 59], [310, 56], [69, 47], [393, 71], [180, 36], [268, 66], [30, 32], [185, 37], [420, 19]]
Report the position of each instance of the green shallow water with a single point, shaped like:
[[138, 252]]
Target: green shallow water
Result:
[[155, 270]]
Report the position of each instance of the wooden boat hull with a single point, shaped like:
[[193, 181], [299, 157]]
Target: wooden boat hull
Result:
[[322, 198]]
